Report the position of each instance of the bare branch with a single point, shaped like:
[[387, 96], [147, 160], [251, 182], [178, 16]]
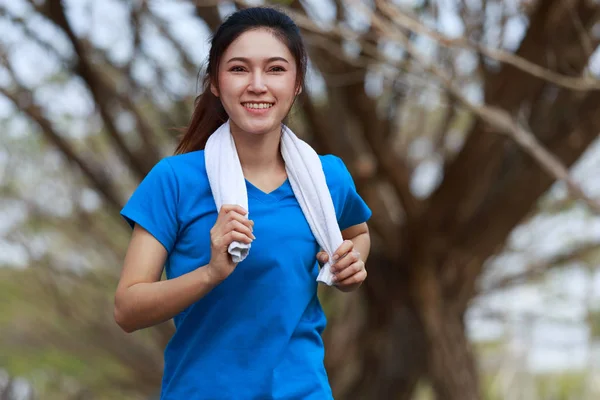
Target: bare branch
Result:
[[100, 181], [444, 127], [574, 83], [30, 34], [539, 268], [501, 119], [588, 44], [163, 29], [207, 10], [333, 48], [96, 177], [102, 94]]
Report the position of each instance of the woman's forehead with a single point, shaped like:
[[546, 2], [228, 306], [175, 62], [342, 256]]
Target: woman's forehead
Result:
[[258, 45]]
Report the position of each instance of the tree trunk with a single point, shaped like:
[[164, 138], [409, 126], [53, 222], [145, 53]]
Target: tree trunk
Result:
[[408, 333], [377, 350], [387, 375], [452, 368], [451, 365]]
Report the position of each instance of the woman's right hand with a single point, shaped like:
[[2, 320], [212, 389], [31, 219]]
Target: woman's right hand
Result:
[[232, 225]]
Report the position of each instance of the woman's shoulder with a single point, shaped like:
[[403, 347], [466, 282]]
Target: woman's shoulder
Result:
[[330, 162], [180, 171], [184, 166], [183, 162], [336, 173]]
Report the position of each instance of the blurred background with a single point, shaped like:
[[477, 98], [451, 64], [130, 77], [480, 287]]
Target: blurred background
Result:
[[470, 127]]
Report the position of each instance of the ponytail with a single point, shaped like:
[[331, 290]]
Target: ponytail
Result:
[[208, 115]]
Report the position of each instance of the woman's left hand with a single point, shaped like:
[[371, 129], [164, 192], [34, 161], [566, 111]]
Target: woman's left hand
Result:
[[348, 268]]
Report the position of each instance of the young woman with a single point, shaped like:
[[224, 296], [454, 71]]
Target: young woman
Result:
[[250, 330]]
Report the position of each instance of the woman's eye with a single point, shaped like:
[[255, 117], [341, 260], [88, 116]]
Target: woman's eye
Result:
[[277, 69], [237, 69]]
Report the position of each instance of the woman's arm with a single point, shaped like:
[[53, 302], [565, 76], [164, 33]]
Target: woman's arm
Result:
[[357, 253], [359, 235], [142, 299]]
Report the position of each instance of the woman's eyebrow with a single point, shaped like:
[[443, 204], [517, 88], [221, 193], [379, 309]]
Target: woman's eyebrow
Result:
[[246, 60]]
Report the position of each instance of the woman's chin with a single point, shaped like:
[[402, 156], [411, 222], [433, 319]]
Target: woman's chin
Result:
[[259, 127]]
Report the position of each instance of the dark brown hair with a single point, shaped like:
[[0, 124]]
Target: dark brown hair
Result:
[[209, 113]]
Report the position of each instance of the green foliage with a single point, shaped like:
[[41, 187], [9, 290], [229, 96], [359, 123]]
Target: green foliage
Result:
[[27, 351], [594, 323], [564, 386]]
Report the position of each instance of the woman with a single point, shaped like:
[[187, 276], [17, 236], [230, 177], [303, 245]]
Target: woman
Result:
[[250, 330]]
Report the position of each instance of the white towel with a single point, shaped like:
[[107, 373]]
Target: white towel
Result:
[[306, 177]]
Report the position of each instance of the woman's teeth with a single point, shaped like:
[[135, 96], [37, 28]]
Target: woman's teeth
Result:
[[258, 105]]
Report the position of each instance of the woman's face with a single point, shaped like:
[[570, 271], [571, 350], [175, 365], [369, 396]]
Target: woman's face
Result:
[[257, 82]]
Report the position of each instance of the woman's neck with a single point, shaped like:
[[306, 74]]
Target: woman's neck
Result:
[[259, 154]]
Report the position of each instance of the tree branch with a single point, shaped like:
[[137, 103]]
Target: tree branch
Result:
[[573, 83], [95, 175], [538, 269], [101, 92], [209, 13], [162, 28]]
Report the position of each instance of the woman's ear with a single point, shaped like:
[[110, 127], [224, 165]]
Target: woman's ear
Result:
[[298, 90]]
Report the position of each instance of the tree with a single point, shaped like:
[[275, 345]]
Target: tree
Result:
[[521, 112]]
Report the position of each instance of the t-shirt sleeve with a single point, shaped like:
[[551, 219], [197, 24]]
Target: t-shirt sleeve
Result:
[[153, 205], [351, 209]]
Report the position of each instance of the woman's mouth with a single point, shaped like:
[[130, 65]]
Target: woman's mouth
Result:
[[258, 108]]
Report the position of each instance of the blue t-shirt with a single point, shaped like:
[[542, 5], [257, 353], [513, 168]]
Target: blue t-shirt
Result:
[[257, 335]]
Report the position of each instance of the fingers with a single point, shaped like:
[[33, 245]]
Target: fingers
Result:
[[234, 212], [344, 248], [350, 269], [342, 274], [237, 226], [357, 278], [349, 259], [234, 231], [323, 257], [232, 225], [235, 236], [226, 208], [235, 215]]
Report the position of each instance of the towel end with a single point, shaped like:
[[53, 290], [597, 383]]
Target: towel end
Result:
[[325, 276], [238, 251]]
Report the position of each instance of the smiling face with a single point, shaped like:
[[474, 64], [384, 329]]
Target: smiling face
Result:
[[257, 82]]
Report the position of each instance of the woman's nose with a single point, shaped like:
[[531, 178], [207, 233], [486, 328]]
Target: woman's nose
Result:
[[257, 83]]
